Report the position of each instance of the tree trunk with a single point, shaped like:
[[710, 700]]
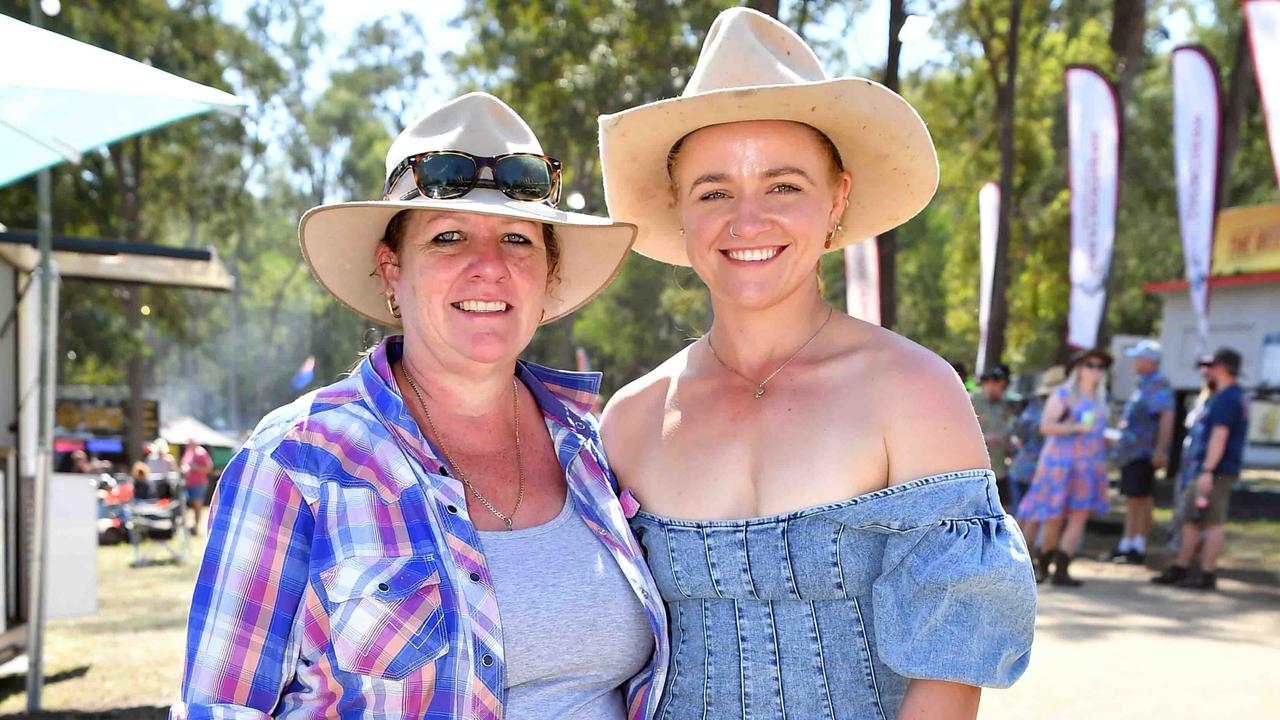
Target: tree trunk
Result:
[[127, 160], [1238, 84], [887, 243], [768, 7], [1005, 97], [1128, 26]]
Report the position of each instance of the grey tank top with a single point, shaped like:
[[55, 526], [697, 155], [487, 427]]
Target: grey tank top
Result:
[[573, 631]]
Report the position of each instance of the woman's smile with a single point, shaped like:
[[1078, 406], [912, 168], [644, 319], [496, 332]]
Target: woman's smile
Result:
[[753, 256]]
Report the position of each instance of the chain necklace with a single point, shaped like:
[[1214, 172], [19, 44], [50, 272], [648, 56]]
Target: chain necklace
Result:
[[506, 518], [759, 392]]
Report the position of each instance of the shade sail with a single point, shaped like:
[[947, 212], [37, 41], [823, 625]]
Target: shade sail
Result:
[[60, 97]]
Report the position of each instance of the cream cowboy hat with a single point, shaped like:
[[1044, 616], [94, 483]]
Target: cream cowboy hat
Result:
[[339, 240], [753, 67]]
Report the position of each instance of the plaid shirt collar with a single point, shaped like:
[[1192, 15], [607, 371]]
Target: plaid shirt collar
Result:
[[563, 396]]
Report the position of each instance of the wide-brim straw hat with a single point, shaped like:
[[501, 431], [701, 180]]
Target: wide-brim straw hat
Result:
[[1087, 353], [753, 67], [339, 241], [1052, 378]]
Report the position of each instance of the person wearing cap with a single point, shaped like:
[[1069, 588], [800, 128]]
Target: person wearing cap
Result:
[[995, 421], [1029, 442], [1146, 427], [814, 493], [1218, 465], [438, 534], [1071, 477]]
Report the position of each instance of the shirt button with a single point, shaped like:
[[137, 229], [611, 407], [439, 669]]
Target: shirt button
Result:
[[475, 577], [602, 531], [487, 660], [453, 509], [383, 587]]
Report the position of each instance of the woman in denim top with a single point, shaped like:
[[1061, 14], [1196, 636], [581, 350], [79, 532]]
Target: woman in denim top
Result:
[[816, 502]]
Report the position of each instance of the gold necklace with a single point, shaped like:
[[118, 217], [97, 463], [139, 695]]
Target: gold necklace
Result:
[[507, 519], [759, 393]]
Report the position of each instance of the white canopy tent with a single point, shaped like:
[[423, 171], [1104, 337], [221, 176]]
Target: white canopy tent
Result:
[[59, 98]]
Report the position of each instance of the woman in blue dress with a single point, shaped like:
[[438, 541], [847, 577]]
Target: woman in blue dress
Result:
[[1071, 478], [1028, 440], [817, 504]]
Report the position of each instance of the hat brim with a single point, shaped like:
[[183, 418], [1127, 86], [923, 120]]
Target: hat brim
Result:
[[1102, 355], [339, 242], [883, 144]]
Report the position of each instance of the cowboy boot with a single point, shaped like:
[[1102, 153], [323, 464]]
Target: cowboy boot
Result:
[[1060, 575], [1041, 565]]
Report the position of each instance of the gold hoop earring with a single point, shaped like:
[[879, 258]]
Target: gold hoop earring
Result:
[[392, 307], [831, 235]]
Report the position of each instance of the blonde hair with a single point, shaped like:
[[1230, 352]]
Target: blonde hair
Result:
[[1073, 386]]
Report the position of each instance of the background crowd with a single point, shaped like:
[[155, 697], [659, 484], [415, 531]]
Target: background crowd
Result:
[[1056, 452]]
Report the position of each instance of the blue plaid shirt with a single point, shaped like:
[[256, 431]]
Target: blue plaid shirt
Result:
[[343, 576]]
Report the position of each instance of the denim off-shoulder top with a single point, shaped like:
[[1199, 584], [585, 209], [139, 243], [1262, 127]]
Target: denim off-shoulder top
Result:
[[827, 612]]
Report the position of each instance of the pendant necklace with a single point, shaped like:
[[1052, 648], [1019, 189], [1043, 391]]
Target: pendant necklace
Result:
[[507, 518], [759, 391]]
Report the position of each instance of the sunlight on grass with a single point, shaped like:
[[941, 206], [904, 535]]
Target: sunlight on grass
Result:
[[130, 653]]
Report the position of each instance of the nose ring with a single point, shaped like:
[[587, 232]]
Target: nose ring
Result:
[[732, 234]]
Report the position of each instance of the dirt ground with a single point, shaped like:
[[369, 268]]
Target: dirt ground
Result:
[[1118, 647]]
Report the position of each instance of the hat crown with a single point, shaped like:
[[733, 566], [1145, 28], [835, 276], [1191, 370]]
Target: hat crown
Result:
[[746, 48], [476, 123]]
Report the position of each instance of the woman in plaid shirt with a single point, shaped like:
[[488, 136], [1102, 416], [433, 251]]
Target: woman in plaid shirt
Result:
[[437, 535]]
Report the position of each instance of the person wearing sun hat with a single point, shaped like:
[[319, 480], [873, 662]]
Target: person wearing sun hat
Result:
[[1071, 481], [799, 474], [438, 534]]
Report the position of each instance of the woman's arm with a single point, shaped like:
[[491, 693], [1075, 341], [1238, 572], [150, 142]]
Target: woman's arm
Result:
[[932, 429], [940, 700], [1050, 423], [241, 646]]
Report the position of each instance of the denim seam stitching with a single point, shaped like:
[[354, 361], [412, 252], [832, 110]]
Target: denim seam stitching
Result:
[[742, 661], [777, 658], [822, 659], [706, 662], [871, 666], [786, 550], [711, 568]]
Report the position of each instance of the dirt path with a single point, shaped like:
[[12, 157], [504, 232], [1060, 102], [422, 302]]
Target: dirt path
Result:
[[1120, 647]]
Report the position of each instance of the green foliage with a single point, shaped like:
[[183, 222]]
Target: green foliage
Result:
[[239, 185]]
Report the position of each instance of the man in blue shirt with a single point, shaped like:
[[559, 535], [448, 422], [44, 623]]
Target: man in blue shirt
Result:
[[1226, 418], [1143, 447]]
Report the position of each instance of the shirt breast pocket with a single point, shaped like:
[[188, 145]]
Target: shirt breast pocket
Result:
[[385, 615]]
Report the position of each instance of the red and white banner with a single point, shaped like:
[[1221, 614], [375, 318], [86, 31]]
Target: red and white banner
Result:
[[1197, 122], [988, 226], [1093, 149], [1263, 20], [862, 280]]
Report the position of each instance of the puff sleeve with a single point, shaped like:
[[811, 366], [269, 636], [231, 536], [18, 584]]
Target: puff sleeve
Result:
[[956, 600]]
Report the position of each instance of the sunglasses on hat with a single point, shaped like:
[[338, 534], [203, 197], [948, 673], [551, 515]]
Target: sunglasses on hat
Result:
[[448, 174]]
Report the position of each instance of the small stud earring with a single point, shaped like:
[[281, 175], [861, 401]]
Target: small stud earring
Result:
[[392, 307]]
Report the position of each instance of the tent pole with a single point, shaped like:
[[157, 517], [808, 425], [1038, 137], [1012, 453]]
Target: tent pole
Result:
[[44, 440]]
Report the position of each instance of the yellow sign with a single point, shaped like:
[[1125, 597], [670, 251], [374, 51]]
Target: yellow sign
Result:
[[1247, 240]]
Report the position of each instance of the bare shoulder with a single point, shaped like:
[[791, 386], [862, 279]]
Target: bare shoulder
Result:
[[927, 419], [632, 419]]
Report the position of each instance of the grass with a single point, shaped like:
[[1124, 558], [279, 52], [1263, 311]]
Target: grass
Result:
[[125, 662], [128, 655]]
